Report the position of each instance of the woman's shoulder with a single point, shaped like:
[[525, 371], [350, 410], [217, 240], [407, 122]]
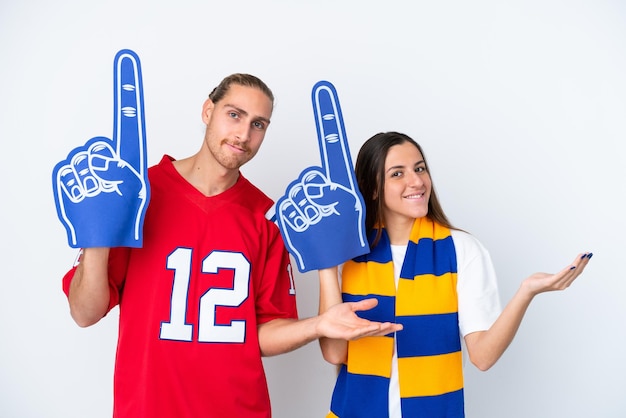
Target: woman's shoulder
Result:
[[466, 244]]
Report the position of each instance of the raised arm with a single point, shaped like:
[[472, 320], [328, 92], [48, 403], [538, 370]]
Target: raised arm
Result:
[[89, 289], [486, 347]]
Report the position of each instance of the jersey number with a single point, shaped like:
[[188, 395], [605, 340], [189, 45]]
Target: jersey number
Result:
[[208, 330]]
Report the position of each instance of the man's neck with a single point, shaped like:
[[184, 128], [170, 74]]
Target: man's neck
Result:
[[208, 179]]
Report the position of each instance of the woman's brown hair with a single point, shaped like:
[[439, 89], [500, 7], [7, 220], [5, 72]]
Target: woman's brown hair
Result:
[[370, 175]]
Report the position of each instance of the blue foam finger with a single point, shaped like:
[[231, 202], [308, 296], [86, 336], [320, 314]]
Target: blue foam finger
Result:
[[327, 227], [101, 189], [129, 120]]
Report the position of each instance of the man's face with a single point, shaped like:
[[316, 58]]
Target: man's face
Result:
[[236, 125]]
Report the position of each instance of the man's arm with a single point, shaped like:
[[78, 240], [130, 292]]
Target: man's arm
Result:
[[339, 322], [89, 289]]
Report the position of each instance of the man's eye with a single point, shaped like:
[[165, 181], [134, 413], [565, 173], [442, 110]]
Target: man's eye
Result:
[[258, 125], [233, 114]]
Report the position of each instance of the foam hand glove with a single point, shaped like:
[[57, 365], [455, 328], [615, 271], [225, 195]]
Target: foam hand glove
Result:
[[101, 190], [322, 215]]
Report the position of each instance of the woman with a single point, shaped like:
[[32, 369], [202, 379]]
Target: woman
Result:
[[434, 279]]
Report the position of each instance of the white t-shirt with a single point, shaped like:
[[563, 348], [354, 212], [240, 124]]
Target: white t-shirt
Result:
[[477, 291]]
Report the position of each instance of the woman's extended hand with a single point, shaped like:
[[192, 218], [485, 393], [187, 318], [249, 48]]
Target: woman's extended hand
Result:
[[545, 282]]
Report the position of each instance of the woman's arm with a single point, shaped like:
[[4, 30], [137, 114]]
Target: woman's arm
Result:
[[486, 347], [334, 351]]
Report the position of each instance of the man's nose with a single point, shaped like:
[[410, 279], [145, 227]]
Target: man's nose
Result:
[[243, 133]]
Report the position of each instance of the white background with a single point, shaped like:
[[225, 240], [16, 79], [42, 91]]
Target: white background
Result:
[[520, 106]]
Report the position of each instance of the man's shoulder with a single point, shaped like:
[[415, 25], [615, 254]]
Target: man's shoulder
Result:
[[255, 198], [163, 163]]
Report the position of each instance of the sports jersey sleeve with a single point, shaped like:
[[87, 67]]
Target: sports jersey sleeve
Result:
[[118, 260], [276, 290], [477, 288]]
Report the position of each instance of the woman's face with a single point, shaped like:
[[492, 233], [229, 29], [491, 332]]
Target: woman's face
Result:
[[407, 184]]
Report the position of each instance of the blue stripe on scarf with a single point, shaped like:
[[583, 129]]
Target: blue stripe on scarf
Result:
[[426, 258], [383, 312], [425, 335], [449, 405], [362, 387]]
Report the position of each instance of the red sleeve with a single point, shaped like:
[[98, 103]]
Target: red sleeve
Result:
[[277, 293], [118, 261]]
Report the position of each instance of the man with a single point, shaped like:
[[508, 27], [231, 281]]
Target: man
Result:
[[210, 292]]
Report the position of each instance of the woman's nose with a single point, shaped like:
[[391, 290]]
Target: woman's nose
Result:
[[414, 179]]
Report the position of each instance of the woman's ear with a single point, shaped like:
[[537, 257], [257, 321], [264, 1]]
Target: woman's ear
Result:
[[375, 195]]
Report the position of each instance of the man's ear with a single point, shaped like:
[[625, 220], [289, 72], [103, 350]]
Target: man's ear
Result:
[[207, 109]]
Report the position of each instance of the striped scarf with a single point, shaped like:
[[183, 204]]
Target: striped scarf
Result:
[[429, 347]]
